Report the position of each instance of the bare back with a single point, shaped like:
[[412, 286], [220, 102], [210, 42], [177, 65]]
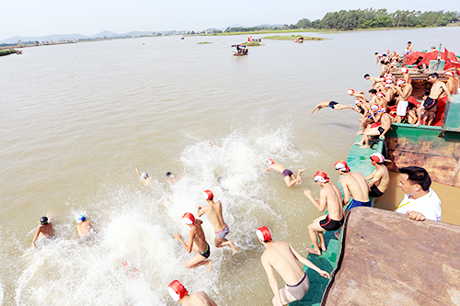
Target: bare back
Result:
[[46, 230], [278, 167], [452, 85], [280, 256], [198, 299], [84, 228], [437, 89], [355, 183], [333, 198], [383, 178], [214, 212]]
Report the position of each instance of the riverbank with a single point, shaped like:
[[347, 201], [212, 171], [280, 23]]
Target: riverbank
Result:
[[4, 52]]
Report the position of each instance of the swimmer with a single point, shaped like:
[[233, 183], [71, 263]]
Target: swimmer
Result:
[[331, 104], [330, 199], [179, 293], [379, 179], [131, 271], [375, 80], [171, 179], [196, 243], [353, 184], [214, 212], [359, 95], [289, 177], [84, 228], [45, 229], [283, 258], [145, 178]]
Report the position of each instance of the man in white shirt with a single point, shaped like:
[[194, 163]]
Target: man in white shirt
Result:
[[420, 202]]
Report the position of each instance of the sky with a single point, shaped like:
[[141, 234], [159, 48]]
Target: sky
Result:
[[88, 17]]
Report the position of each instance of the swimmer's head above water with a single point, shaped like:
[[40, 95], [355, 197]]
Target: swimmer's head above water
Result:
[[43, 220], [264, 234], [321, 177], [177, 291], [271, 161], [188, 218], [208, 195], [144, 175], [81, 218], [350, 91], [342, 166], [169, 175]]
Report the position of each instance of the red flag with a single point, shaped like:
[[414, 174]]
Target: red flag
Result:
[[451, 60]]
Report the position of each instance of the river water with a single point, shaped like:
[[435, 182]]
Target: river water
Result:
[[77, 120]]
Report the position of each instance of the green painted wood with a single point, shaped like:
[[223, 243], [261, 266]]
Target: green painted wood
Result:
[[452, 123], [358, 161]]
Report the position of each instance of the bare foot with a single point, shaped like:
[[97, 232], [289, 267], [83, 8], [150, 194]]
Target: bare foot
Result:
[[359, 133], [364, 146], [313, 251], [417, 124], [337, 235], [209, 264], [358, 143], [323, 248], [235, 250]]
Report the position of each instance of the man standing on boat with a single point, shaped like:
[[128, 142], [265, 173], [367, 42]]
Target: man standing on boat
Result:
[[283, 258], [330, 199], [379, 178], [404, 91], [214, 212], [420, 202], [437, 90]]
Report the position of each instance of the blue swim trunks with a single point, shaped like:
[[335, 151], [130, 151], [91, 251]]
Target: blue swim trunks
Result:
[[355, 203]]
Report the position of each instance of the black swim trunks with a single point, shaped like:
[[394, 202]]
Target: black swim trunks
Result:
[[381, 130], [361, 110], [430, 103], [332, 104], [207, 252], [331, 225], [375, 192]]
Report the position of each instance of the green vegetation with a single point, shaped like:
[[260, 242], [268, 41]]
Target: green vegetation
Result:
[[252, 44], [292, 37], [204, 42], [262, 32], [7, 51]]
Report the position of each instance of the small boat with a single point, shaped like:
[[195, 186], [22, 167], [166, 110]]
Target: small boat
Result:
[[299, 40], [240, 50]]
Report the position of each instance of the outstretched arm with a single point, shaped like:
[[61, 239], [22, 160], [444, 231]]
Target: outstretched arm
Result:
[[322, 202], [35, 237], [138, 172], [187, 247], [268, 169]]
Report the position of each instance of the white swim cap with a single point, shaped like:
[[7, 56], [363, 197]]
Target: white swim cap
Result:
[[400, 82], [451, 73], [404, 70], [264, 234], [321, 176], [342, 165], [387, 85], [271, 161], [144, 175], [378, 158], [176, 290], [358, 102], [188, 218], [208, 195], [380, 94], [350, 91]]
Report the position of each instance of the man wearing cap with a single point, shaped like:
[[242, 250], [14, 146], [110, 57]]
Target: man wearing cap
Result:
[[214, 212], [45, 229], [330, 198], [406, 75], [420, 202], [196, 243], [283, 258], [145, 178], [331, 104], [452, 83], [353, 184], [359, 95], [179, 293], [84, 228], [374, 80], [404, 91], [289, 177], [379, 178]]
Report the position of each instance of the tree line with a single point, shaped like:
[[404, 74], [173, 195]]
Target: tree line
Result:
[[368, 18]]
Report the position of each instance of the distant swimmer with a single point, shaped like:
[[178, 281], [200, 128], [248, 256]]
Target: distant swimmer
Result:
[[196, 243], [84, 228], [45, 229], [171, 178], [214, 212], [330, 199], [179, 293], [282, 257], [289, 177], [331, 104], [131, 271], [145, 178], [379, 179]]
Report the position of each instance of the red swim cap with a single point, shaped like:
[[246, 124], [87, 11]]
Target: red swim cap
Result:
[[350, 91], [208, 195], [271, 161], [177, 291], [320, 176], [378, 158], [188, 218], [264, 234], [342, 166]]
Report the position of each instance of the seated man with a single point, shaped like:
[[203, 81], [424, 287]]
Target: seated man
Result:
[[282, 257], [420, 202], [379, 178], [289, 177], [179, 293]]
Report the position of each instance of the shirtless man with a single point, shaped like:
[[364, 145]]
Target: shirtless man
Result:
[[196, 243], [179, 293], [374, 80], [354, 184], [409, 48], [378, 56], [452, 82], [84, 228], [145, 178], [359, 95], [289, 177], [283, 258], [379, 178], [330, 198], [331, 104], [45, 229], [214, 212], [404, 91], [378, 128], [437, 89]]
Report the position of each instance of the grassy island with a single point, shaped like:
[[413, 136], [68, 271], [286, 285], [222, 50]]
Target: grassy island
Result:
[[292, 37], [252, 44], [7, 51], [204, 42]]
